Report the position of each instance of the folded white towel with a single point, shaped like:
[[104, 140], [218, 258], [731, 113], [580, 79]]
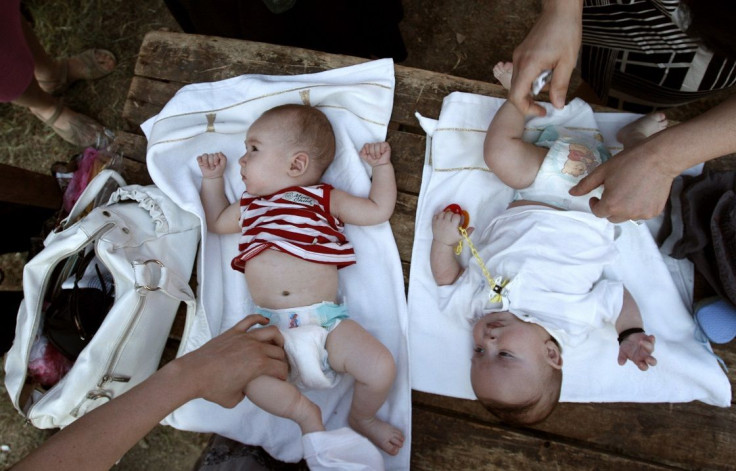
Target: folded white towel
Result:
[[342, 449], [209, 117], [455, 172]]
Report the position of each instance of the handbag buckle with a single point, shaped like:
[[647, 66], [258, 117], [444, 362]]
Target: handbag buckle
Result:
[[145, 278]]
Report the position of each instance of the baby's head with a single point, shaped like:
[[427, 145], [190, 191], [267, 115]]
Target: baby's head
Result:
[[516, 370], [286, 146]]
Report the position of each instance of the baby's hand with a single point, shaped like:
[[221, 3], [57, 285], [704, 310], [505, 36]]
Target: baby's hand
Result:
[[444, 228], [212, 165], [376, 153], [638, 348]]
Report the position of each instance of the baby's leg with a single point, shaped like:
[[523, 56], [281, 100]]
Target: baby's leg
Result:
[[285, 400], [642, 128], [514, 161], [351, 349]]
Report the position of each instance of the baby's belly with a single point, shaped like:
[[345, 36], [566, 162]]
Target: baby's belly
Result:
[[277, 281]]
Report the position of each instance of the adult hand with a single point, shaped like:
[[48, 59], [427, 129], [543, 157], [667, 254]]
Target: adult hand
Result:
[[222, 368], [636, 186], [552, 43]]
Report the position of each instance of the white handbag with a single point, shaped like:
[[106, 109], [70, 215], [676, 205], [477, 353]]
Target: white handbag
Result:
[[148, 244]]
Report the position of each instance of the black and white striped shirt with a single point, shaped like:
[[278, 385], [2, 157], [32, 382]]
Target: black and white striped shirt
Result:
[[636, 57]]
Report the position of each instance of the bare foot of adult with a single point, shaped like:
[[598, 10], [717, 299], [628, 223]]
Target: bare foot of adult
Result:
[[71, 126], [88, 65], [502, 71], [642, 128], [384, 435]]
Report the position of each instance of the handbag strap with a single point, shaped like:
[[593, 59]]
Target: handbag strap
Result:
[[93, 188], [153, 275]]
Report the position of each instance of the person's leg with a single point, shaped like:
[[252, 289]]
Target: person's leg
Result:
[[44, 65], [71, 126], [351, 349], [54, 75], [285, 400], [642, 128]]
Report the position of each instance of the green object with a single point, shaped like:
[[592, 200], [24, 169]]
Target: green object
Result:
[[279, 6]]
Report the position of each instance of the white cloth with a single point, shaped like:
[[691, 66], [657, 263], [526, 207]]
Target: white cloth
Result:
[[454, 172], [210, 117], [554, 261], [342, 449]]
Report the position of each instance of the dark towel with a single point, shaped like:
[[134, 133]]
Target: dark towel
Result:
[[709, 232]]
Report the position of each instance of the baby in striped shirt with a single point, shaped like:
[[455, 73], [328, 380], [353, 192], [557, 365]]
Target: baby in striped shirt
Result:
[[291, 246]]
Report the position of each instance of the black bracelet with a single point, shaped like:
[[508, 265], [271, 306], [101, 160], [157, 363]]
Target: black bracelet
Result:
[[634, 330]]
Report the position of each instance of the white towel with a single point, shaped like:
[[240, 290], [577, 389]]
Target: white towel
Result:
[[210, 117], [455, 172]]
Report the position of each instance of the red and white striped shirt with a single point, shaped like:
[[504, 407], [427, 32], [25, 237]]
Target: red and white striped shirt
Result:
[[295, 220]]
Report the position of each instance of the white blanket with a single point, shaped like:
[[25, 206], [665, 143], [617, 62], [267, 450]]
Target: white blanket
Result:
[[455, 172], [209, 117]]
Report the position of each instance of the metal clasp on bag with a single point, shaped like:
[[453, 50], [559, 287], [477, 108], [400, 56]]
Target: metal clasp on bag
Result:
[[147, 284]]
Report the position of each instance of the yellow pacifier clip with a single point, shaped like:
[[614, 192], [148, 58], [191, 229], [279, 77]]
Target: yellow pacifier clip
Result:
[[496, 284]]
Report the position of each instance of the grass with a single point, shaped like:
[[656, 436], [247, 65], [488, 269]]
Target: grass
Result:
[[66, 28]]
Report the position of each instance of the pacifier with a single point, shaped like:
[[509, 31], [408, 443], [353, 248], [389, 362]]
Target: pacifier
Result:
[[456, 209]]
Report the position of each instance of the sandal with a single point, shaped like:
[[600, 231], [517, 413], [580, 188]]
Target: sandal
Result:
[[83, 131], [92, 70]]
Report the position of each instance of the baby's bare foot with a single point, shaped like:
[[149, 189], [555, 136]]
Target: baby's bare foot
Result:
[[384, 435], [642, 128], [502, 71]]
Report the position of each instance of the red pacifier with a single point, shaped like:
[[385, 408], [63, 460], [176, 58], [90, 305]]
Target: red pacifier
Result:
[[456, 209]]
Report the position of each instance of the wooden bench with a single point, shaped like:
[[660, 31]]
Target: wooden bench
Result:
[[448, 434]]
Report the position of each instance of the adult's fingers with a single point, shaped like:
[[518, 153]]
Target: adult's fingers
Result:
[[277, 369], [521, 86], [249, 321], [274, 351], [269, 335], [559, 84], [590, 182], [600, 209]]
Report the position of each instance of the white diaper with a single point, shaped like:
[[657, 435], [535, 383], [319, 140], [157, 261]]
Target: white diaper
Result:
[[305, 332], [571, 157]]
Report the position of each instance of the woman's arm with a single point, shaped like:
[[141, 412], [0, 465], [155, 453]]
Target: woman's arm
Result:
[[219, 371], [638, 179], [552, 44]]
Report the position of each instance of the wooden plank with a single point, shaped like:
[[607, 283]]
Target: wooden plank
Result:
[[444, 442], [145, 99], [132, 146], [407, 156], [402, 224], [20, 186], [652, 432], [451, 433], [178, 59]]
